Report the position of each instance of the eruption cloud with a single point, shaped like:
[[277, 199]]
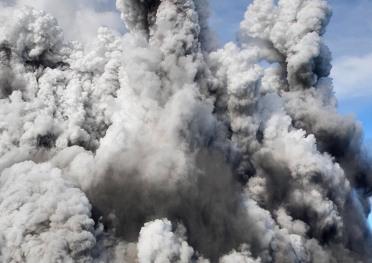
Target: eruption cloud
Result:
[[161, 146]]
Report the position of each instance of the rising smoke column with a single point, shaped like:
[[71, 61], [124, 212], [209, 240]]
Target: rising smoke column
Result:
[[159, 146]]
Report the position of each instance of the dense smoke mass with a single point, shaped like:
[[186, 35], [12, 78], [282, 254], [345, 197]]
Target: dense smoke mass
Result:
[[158, 145]]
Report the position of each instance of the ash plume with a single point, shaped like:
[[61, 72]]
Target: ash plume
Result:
[[161, 146]]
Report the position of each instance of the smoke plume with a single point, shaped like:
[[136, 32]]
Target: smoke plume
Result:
[[161, 146]]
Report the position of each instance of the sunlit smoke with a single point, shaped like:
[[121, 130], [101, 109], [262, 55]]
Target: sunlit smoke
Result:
[[159, 145]]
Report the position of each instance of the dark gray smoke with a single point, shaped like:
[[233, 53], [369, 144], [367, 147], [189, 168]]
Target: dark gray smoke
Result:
[[161, 146]]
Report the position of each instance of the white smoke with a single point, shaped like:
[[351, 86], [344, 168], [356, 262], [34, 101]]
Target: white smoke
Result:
[[79, 19], [43, 218], [160, 146]]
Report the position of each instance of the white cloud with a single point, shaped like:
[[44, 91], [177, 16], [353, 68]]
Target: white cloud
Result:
[[353, 76]]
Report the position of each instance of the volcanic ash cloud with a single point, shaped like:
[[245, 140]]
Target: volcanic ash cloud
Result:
[[161, 146]]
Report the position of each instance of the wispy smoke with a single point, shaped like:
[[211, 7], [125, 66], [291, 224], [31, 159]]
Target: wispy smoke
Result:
[[161, 146]]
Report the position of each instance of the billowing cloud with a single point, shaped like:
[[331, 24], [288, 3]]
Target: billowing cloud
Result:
[[158, 146], [80, 19]]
